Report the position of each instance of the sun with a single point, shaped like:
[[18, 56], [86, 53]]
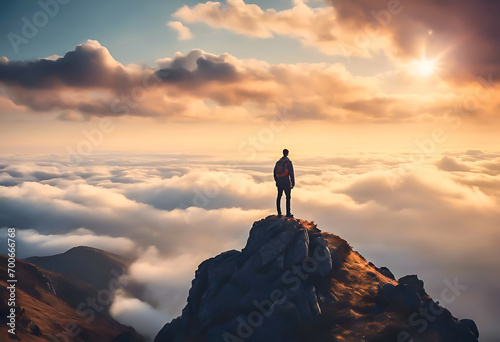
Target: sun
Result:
[[425, 67]]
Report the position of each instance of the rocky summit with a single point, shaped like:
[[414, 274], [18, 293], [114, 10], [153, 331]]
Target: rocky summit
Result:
[[293, 282]]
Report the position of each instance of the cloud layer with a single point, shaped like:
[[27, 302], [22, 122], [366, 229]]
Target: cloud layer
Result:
[[88, 82], [172, 212]]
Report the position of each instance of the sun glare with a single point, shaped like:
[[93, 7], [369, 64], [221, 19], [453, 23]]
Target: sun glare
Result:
[[425, 67]]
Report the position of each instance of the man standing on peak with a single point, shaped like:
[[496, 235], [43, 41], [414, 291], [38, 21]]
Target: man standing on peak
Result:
[[285, 181]]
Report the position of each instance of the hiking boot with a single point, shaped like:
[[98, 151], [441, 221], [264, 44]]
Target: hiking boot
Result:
[[289, 215]]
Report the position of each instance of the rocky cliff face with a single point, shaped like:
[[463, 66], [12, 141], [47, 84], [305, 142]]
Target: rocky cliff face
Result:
[[294, 283]]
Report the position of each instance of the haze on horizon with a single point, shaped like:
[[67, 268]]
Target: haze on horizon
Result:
[[389, 109]]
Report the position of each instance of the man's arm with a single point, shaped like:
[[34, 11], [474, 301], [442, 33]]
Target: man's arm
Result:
[[292, 176]]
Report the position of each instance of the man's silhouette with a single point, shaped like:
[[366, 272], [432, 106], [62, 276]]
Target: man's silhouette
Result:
[[285, 181]]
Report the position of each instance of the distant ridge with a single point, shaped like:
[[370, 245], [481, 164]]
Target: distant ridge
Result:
[[47, 309], [92, 265]]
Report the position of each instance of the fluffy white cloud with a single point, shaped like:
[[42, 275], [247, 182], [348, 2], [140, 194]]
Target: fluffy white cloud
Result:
[[142, 316], [313, 26], [183, 32]]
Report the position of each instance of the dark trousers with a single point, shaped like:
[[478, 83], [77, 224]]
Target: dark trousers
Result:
[[288, 194]]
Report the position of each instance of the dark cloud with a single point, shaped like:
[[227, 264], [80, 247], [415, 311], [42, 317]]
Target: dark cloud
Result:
[[88, 81], [85, 82], [196, 67], [89, 65], [467, 32]]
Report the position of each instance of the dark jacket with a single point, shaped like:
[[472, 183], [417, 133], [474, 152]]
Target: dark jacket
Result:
[[288, 180]]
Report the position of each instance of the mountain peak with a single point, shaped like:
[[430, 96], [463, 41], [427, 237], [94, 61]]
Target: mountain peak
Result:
[[88, 264], [83, 248], [293, 282]]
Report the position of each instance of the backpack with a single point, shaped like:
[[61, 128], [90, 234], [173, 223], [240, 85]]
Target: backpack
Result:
[[281, 168]]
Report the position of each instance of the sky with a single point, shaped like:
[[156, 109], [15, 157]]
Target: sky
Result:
[[165, 71], [117, 118]]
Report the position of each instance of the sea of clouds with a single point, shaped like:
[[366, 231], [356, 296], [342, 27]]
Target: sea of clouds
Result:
[[437, 218]]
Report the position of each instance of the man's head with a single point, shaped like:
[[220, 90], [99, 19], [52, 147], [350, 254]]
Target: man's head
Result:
[[285, 152]]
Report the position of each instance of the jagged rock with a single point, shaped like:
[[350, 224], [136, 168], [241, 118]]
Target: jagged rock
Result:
[[407, 298], [385, 271], [298, 250], [294, 283], [385, 294], [321, 254], [274, 248], [414, 282], [401, 297], [471, 325]]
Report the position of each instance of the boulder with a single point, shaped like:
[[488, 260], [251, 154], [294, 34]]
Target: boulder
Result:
[[385, 271], [471, 325]]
